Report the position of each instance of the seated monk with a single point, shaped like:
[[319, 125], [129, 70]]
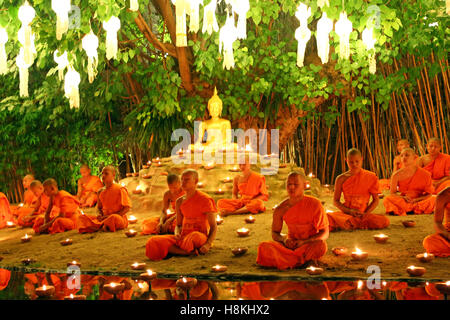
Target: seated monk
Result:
[[5, 211], [27, 219], [196, 223], [436, 163], [29, 198], [439, 243], [165, 223], [62, 212], [113, 206], [251, 186], [358, 186], [385, 184], [307, 229], [415, 186], [88, 186]]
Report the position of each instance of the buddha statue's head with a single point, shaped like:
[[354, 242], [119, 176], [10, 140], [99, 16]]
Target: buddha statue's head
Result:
[[215, 105]]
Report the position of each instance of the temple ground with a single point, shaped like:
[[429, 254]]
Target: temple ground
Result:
[[114, 252]]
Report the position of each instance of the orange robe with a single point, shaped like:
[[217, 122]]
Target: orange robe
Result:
[[357, 191], [63, 203], [29, 199], [436, 243], [414, 187], [255, 185], [194, 230], [149, 225], [5, 211], [439, 168], [45, 202], [88, 197], [5, 276], [303, 220], [112, 199]]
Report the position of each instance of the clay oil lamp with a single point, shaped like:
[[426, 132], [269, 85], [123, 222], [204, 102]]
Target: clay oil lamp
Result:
[[200, 185], [21, 204], [425, 257], [220, 191], [219, 220], [218, 268], [157, 164], [132, 219], [114, 288], [307, 186], [164, 173], [138, 190], [26, 238], [75, 297], [227, 180], [45, 291], [148, 276], [145, 166], [310, 175], [156, 159], [443, 287], [129, 174], [339, 251], [74, 263], [409, 223], [147, 176], [180, 152], [282, 165], [138, 266], [209, 166], [149, 162], [28, 261], [122, 184], [243, 232], [359, 255], [66, 242], [314, 271], [10, 224], [235, 169], [381, 238], [186, 283], [136, 174], [239, 251], [131, 233], [380, 196], [250, 219], [416, 271]]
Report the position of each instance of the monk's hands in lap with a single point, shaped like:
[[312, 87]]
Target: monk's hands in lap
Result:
[[290, 243], [355, 213], [205, 248], [159, 228], [101, 217]]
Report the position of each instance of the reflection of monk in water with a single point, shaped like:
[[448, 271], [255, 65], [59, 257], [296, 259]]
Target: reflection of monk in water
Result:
[[204, 290], [283, 290], [5, 276]]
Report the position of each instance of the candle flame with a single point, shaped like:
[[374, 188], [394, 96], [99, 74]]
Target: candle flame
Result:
[[21, 205], [357, 251], [132, 231], [122, 184], [381, 235], [113, 284], [138, 188], [9, 223], [184, 280], [140, 285], [242, 230], [168, 211], [26, 236], [328, 211], [74, 262], [411, 267], [384, 283], [312, 268], [44, 287], [71, 296], [310, 175], [149, 272], [360, 284], [135, 264], [447, 283], [425, 255], [218, 218], [132, 217]]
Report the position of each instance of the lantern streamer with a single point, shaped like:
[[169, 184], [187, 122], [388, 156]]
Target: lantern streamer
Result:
[[209, 18], [62, 62], [302, 34], [182, 7], [369, 42], [343, 29], [111, 26], [62, 8], [227, 35], [194, 15], [324, 27], [23, 73], [134, 5], [3, 56], [71, 82], [90, 45]]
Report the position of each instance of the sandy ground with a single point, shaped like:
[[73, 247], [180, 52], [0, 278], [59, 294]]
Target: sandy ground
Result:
[[105, 251]]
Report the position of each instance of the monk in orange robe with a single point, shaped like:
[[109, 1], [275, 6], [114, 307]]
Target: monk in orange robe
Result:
[[64, 208], [439, 243], [113, 206], [5, 211], [166, 222], [358, 186], [415, 186], [5, 276], [285, 290], [436, 163], [252, 189], [385, 184], [196, 224], [308, 229], [27, 218], [88, 186], [29, 199]]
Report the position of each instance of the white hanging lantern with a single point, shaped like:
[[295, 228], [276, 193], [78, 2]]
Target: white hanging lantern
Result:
[[23, 73], [182, 7], [71, 82], [27, 44], [26, 15], [241, 7], [322, 3], [111, 26], [90, 45], [3, 56], [194, 15], [209, 18], [343, 29], [134, 5], [62, 8], [227, 35], [303, 13], [324, 27], [369, 41], [62, 62], [302, 34]]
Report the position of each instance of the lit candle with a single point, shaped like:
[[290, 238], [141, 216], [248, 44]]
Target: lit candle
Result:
[[209, 165], [129, 174], [443, 287], [45, 291], [243, 232], [326, 185], [26, 238], [415, 271], [308, 186], [114, 288], [138, 190], [227, 179], [408, 223], [359, 255], [339, 251], [132, 219], [360, 284], [219, 268], [219, 220], [250, 219], [425, 257], [74, 263], [148, 276], [220, 191], [235, 169], [168, 211], [314, 270], [75, 297], [239, 251], [200, 185], [28, 261], [311, 175], [10, 224], [149, 162], [131, 233], [20, 204], [138, 266], [66, 242], [186, 283], [381, 238]]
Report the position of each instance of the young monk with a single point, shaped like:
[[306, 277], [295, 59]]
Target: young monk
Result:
[[165, 223], [307, 229], [196, 224], [113, 206], [88, 186], [385, 184], [5, 211], [436, 163], [252, 189], [61, 214], [358, 186], [28, 198], [27, 219], [415, 186], [439, 243]]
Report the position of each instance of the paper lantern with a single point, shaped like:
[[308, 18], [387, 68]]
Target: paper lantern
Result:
[[134, 5], [90, 45], [324, 27], [369, 42], [23, 72], [182, 7], [111, 26], [3, 56], [27, 44], [343, 29], [209, 18], [26, 14], [303, 13], [227, 35], [62, 62], [241, 7], [71, 82], [62, 8], [194, 15], [302, 34]]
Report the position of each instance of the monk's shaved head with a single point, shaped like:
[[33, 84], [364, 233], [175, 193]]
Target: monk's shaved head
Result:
[[35, 184], [191, 172], [298, 174], [436, 140], [29, 177], [172, 178], [404, 141], [111, 169], [85, 166], [409, 151], [50, 182], [354, 152]]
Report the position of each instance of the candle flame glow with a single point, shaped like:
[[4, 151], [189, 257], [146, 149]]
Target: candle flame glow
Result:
[[71, 296], [242, 230], [132, 218], [447, 283], [44, 287], [357, 251], [310, 175], [113, 284], [411, 267], [360, 284], [184, 280], [425, 255], [149, 272]]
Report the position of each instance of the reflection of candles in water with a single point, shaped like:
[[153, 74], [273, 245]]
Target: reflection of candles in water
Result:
[[219, 220], [132, 219], [186, 283], [45, 291], [243, 232], [75, 297], [250, 219], [360, 284], [10, 224], [381, 238], [425, 257], [443, 287], [220, 191], [148, 276], [359, 255], [26, 238], [74, 263], [415, 271]]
